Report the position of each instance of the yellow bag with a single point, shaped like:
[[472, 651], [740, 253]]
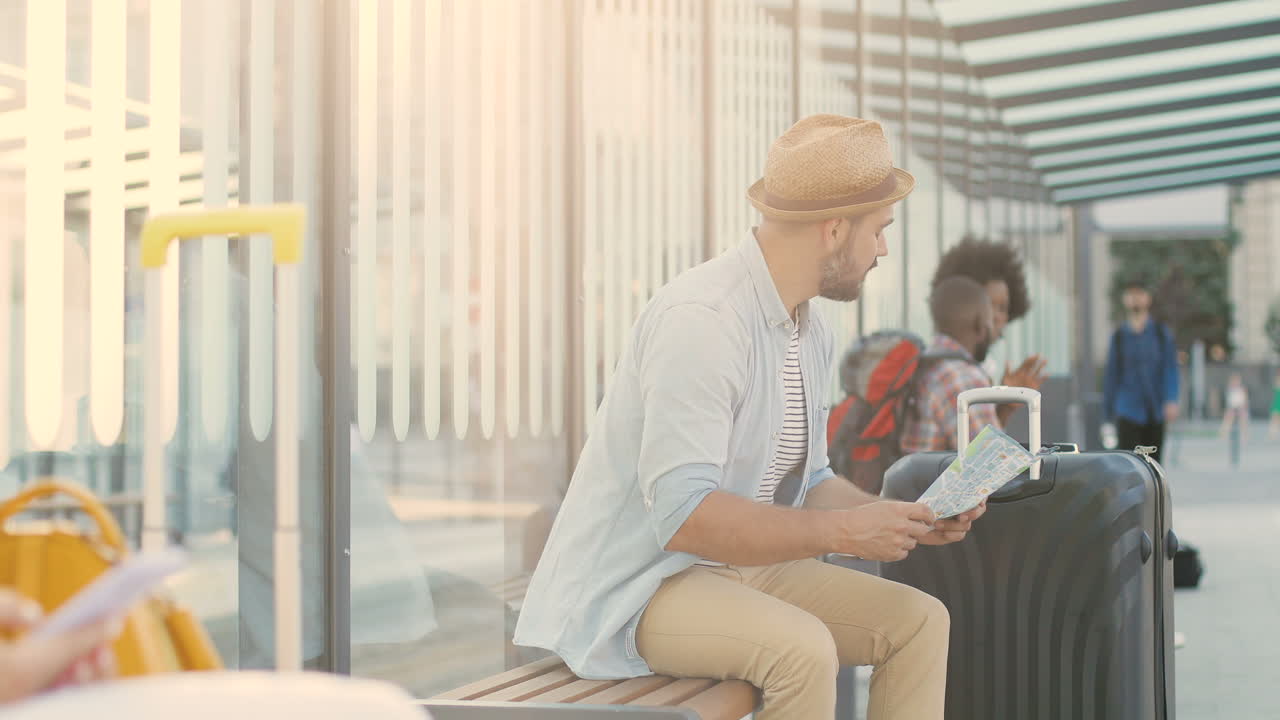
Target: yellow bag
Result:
[[50, 561]]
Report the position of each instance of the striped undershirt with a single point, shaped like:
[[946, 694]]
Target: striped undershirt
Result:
[[793, 441]]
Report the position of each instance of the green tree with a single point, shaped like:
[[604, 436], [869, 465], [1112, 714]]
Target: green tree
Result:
[[1273, 326]]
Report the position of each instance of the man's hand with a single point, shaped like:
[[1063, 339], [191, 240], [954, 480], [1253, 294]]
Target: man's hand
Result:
[[1030, 374], [954, 529], [885, 531], [1170, 412], [28, 666]]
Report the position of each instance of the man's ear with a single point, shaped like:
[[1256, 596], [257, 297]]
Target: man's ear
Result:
[[831, 232]]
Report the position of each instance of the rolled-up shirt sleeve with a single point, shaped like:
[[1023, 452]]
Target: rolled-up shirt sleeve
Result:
[[692, 371]]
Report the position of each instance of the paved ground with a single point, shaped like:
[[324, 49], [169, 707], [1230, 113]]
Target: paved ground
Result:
[[1230, 666]]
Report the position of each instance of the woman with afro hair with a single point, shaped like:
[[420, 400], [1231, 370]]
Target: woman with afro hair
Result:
[[998, 268]]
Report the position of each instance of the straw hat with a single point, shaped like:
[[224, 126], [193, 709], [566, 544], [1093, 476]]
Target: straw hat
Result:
[[829, 166]]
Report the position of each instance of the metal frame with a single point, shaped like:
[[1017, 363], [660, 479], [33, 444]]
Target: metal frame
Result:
[[1129, 49], [1164, 171], [1070, 16], [1191, 103], [1164, 152], [334, 239], [1089, 144], [1203, 72], [1231, 179]]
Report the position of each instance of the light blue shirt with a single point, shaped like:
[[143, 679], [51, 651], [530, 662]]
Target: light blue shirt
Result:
[[696, 404]]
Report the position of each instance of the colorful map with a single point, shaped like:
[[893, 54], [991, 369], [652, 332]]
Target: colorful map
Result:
[[991, 460]]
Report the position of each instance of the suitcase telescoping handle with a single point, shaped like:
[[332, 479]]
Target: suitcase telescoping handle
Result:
[[1005, 395], [284, 223]]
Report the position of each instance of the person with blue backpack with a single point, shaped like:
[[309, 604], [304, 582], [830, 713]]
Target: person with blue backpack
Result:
[[1140, 388]]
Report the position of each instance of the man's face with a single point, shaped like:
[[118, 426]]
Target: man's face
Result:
[[862, 241], [987, 334], [1136, 301], [998, 291]]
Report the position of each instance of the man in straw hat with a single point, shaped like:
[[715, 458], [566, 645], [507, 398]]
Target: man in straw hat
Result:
[[686, 542]]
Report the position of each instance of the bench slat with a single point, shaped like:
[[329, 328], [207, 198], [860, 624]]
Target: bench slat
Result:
[[576, 691], [533, 687], [728, 700], [675, 693], [629, 690], [504, 680]]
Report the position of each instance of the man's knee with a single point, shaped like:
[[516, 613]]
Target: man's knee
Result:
[[930, 617], [807, 656]]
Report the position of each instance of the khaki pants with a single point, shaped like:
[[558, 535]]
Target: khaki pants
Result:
[[788, 628]]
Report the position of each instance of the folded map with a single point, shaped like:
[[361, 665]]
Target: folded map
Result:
[[991, 460]]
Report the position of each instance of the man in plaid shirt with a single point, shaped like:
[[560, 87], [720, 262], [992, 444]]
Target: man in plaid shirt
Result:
[[964, 327]]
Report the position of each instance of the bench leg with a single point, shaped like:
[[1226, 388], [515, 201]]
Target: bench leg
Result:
[[847, 694]]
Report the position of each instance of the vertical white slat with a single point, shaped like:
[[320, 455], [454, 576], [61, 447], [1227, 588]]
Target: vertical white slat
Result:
[[513, 189], [689, 24], [741, 91], [537, 98], [607, 237], [287, 546], [643, 149], [401, 94], [261, 191], [630, 193], [652, 155], [489, 69], [723, 131], [106, 225], [214, 269], [744, 136], [592, 25], [366, 319], [463, 95], [561, 299], [165, 96], [668, 226], [43, 251], [679, 231], [305, 183], [433, 228]]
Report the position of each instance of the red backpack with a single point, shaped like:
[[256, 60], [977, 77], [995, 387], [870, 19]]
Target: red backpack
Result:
[[878, 375]]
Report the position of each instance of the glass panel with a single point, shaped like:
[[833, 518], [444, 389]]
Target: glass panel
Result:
[[1151, 122], [1156, 145], [150, 103], [1121, 30], [962, 12], [1157, 165], [1140, 97], [1157, 182], [1127, 67]]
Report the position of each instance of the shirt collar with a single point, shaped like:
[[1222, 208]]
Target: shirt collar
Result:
[[770, 302], [942, 341]]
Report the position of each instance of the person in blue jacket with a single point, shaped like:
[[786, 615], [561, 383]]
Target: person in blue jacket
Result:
[[1140, 389]]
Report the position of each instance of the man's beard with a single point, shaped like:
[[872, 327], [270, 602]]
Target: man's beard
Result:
[[840, 282], [980, 352]]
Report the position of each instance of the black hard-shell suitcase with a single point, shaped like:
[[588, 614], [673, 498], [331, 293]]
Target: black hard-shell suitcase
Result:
[[1061, 597]]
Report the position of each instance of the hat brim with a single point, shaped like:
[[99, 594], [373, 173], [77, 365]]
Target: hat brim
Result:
[[904, 183]]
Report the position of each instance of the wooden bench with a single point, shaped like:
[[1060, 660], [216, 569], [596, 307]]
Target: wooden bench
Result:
[[540, 687]]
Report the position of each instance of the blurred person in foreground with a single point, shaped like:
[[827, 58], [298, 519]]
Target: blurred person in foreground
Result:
[[1140, 387], [688, 539], [29, 666], [999, 270]]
